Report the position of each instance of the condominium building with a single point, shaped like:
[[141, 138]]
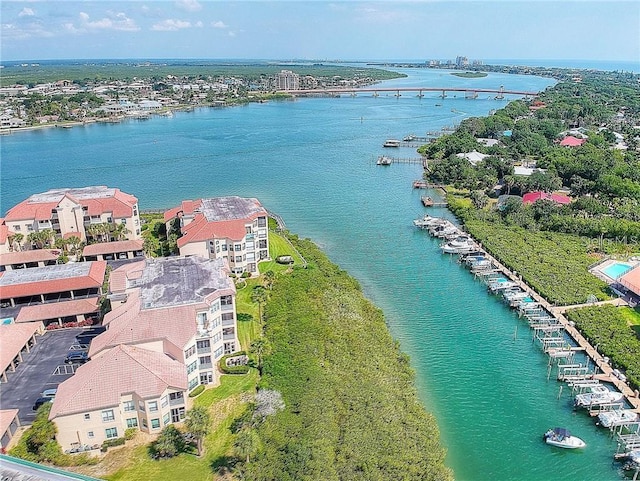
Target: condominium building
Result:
[[287, 80], [230, 228], [71, 212], [173, 319]]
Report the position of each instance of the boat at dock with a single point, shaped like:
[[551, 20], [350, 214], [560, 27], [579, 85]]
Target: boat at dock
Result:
[[444, 230], [617, 417], [598, 396], [562, 438], [391, 143], [426, 201], [461, 244], [428, 221], [383, 160], [419, 184]]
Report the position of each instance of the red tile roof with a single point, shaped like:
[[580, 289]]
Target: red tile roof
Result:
[[187, 207], [112, 247], [23, 257], [631, 280], [4, 232], [571, 141], [50, 279], [6, 418], [98, 200], [531, 197], [200, 229], [130, 324], [99, 383], [118, 278], [13, 337], [54, 310]]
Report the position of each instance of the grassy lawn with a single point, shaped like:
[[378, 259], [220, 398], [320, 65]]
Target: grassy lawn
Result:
[[278, 246], [632, 316], [225, 404], [247, 330]]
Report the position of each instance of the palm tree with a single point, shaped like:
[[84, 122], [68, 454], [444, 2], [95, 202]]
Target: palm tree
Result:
[[259, 347], [246, 444], [269, 277], [119, 231], [198, 423], [16, 241], [259, 296]]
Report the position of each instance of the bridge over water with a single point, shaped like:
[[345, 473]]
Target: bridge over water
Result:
[[397, 91]]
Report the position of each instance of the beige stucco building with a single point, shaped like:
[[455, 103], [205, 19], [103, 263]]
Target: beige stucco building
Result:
[[230, 228], [71, 212]]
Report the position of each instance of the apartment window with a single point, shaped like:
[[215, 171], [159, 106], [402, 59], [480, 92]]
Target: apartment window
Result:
[[132, 422], [165, 401], [30, 228], [175, 395], [238, 248], [193, 383], [165, 419], [90, 434], [218, 352], [215, 323], [155, 423], [153, 406], [226, 300], [224, 246], [205, 360], [262, 221], [129, 406], [87, 416], [192, 367], [144, 422], [141, 405], [202, 317], [227, 316], [111, 433], [107, 415], [247, 229], [262, 244], [238, 258], [190, 352], [203, 344], [16, 227], [216, 337]]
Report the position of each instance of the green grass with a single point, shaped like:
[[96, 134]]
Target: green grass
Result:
[[224, 402], [632, 316], [247, 330], [278, 246]]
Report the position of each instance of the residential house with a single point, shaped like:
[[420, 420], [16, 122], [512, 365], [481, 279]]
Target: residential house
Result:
[[231, 228], [71, 212], [531, 197]]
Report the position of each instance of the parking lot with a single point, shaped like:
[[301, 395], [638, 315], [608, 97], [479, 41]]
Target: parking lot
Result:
[[42, 368]]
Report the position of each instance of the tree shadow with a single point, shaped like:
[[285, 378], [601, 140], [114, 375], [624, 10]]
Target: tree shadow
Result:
[[223, 464]]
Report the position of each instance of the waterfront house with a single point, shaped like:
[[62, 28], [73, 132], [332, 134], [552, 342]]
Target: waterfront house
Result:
[[474, 157], [71, 212], [182, 306], [531, 197], [127, 387], [230, 228]]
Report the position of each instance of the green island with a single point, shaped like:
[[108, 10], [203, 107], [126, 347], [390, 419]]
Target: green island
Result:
[[470, 74], [552, 245]]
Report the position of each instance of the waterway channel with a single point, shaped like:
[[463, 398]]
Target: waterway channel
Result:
[[313, 162]]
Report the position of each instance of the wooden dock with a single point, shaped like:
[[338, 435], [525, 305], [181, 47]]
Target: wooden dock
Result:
[[388, 160]]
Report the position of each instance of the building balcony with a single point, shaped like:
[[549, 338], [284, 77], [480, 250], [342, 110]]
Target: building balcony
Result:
[[228, 337], [228, 322]]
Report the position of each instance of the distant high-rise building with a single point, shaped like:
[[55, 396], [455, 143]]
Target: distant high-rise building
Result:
[[462, 61], [287, 80]]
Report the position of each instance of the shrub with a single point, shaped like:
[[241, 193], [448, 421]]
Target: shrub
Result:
[[241, 369], [196, 391], [245, 274], [109, 443], [244, 317], [130, 433]]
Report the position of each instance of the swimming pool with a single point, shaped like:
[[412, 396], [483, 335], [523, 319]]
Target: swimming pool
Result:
[[616, 269]]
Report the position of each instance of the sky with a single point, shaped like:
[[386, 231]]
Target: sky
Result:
[[320, 30]]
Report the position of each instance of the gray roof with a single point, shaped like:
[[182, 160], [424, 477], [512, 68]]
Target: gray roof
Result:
[[230, 208], [175, 281], [92, 192], [46, 273]]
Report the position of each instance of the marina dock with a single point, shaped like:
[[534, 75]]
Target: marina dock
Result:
[[388, 160]]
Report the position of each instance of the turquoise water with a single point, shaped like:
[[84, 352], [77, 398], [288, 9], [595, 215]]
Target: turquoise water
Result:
[[616, 270], [313, 162]]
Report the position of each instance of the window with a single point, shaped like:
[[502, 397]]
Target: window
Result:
[[111, 433], [190, 352], [90, 434], [226, 301], [87, 416], [144, 422], [192, 367], [203, 344], [132, 422], [202, 317], [217, 337], [224, 246], [175, 395], [262, 221], [205, 360], [227, 316], [193, 383], [129, 406], [238, 258], [141, 405], [153, 406], [107, 415], [238, 247], [215, 323], [218, 352], [16, 227], [155, 423], [165, 419], [165, 401]]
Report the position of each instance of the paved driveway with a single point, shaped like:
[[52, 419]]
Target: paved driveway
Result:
[[38, 371]]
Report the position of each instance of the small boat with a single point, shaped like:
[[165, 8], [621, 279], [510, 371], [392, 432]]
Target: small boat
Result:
[[598, 396], [444, 231], [562, 438], [383, 160], [391, 143], [461, 244], [427, 221], [409, 138], [617, 417]]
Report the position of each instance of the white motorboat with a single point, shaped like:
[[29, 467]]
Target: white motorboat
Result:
[[617, 417], [501, 285], [598, 396], [427, 221], [445, 230], [562, 438]]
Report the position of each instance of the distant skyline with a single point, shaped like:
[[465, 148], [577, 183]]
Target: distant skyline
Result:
[[318, 29]]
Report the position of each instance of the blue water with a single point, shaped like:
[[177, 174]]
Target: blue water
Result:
[[616, 270], [313, 162]]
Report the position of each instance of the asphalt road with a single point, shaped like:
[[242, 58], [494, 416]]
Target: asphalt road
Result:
[[38, 371]]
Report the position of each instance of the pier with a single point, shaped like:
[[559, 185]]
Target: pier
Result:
[[469, 93], [388, 160]]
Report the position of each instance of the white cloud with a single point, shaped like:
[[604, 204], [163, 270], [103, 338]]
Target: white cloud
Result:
[[114, 21], [219, 24], [170, 25], [189, 5], [26, 12], [199, 24]]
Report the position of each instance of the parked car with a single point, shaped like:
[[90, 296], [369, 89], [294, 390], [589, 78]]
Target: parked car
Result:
[[50, 393], [40, 401], [76, 357], [91, 332]]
